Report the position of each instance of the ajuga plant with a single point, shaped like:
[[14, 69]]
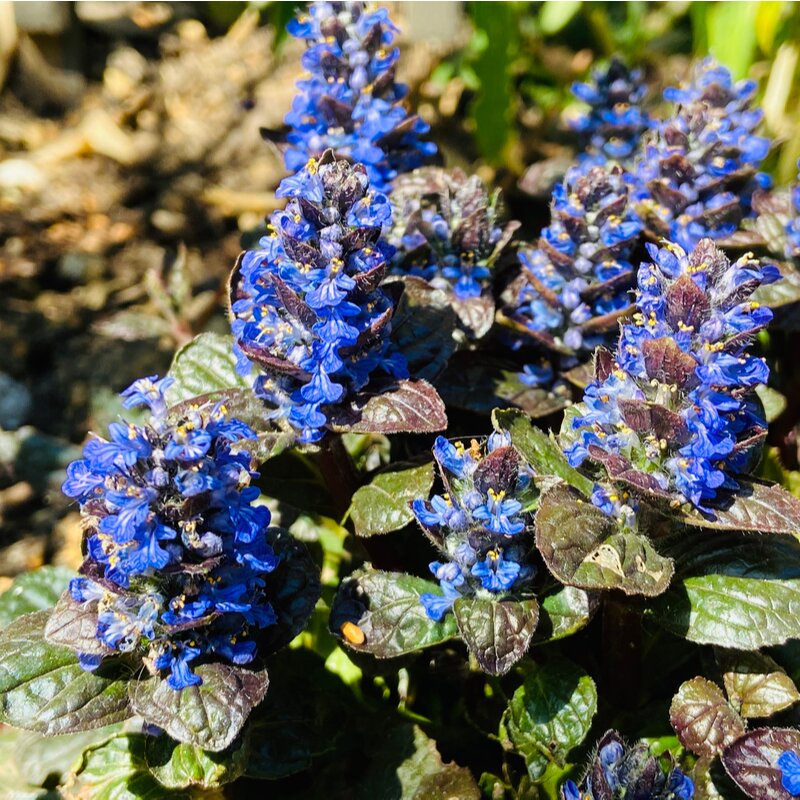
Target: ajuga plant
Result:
[[349, 101], [307, 304], [184, 590], [612, 128], [698, 174], [446, 229], [574, 284], [673, 411], [512, 591]]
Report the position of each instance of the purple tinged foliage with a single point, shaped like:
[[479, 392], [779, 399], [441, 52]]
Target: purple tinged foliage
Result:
[[479, 525], [673, 411], [306, 304], [176, 550], [349, 100]]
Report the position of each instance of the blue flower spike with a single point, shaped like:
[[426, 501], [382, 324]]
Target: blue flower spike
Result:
[[349, 101], [575, 283], [307, 305], [177, 550], [674, 409], [479, 525]]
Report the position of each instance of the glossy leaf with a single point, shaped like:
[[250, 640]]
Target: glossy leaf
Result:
[[411, 406], [383, 504], [44, 689], [738, 595], [564, 612], [74, 625], [755, 683], [407, 766], [476, 314], [540, 449], [583, 547], [117, 770], [33, 591], [177, 765], [702, 718], [496, 632], [208, 716], [386, 614], [549, 715], [206, 364], [752, 762], [763, 508]]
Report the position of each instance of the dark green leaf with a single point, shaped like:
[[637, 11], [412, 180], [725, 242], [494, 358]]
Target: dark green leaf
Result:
[[583, 547], [755, 683], [549, 715], [742, 594], [383, 505], [407, 766], [44, 689], [177, 765], [480, 385], [540, 449], [209, 716], [422, 327], [411, 406], [759, 507], [496, 632], [386, 614], [752, 762], [117, 770], [293, 588], [33, 591], [702, 718], [564, 612], [204, 365]]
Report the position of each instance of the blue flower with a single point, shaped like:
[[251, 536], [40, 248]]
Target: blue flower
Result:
[[789, 763], [174, 535], [307, 307], [495, 573], [675, 403], [349, 101]]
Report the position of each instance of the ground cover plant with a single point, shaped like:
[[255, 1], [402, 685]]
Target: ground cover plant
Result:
[[451, 506]]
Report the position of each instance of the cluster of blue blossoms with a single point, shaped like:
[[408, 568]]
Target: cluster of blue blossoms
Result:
[[618, 771], [575, 283], [696, 177], [674, 412], [446, 229], [349, 101], [307, 304], [480, 524], [177, 553], [616, 121]]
